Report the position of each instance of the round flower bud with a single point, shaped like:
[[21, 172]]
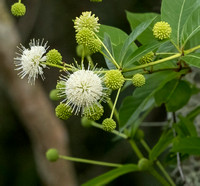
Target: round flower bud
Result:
[[138, 80], [144, 164], [139, 134], [84, 36], [147, 58], [52, 155], [109, 124], [114, 79], [162, 30], [18, 9], [94, 112], [85, 122], [53, 95], [81, 50], [94, 46], [54, 57], [63, 111]]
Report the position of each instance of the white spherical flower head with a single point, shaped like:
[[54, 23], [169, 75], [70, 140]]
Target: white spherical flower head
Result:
[[83, 89], [30, 60]]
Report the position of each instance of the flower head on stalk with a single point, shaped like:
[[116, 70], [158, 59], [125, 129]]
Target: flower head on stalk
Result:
[[30, 61], [83, 89]]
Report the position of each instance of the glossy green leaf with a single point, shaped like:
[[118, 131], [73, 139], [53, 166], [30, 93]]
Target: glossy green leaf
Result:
[[191, 27], [176, 13], [111, 175], [164, 141], [135, 19], [134, 105], [132, 37], [189, 145], [175, 94], [117, 36], [192, 59]]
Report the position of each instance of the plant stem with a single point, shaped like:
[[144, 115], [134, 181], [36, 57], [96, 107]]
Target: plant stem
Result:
[[114, 106], [152, 63], [57, 66], [136, 149], [147, 148], [90, 61], [112, 59], [163, 53], [80, 160], [191, 50], [116, 114]]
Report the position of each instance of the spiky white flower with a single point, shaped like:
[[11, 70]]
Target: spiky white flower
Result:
[[30, 61], [86, 20], [83, 89]]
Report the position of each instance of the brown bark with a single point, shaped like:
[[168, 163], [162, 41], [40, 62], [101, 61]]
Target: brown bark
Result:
[[35, 110]]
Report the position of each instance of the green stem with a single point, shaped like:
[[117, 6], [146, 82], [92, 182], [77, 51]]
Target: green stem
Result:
[[163, 53], [191, 50], [19, 1], [90, 161], [116, 114], [147, 148], [159, 177], [57, 66], [152, 63], [114, 106], [177, 47], [90, 61], [136, 149], [94, 124], [112, 59]]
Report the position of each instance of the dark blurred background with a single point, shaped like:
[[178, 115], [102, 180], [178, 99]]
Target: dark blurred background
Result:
[[52, 20]]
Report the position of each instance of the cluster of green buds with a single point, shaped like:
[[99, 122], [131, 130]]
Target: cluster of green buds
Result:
[[18, 9], [86, 26]]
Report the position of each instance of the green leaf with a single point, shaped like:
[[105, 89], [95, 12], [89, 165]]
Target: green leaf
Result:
[[161, 145], [189, 145], [132, 37], [133, 106], [135, 19], [175, 94], [191, 27], [176, 12], [194, 113], [192, 59], [185, 127], [117, 36], [111, 175], [107, 43], [141, 51]]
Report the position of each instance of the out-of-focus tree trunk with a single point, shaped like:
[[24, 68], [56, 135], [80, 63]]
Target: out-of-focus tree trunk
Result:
[[35, 110]]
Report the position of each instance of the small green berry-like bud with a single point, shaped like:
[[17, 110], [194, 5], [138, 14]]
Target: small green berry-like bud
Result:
[[162, 30], [85, 122], [63, 111], [139, 134], [18, 9], [144, 164], [81, 50], [54, 57], [138, 80], [94, 112], [114, 79], [109, 124], [94, 46], [84, 36], [53, 95], [147, 58], [52, 155]]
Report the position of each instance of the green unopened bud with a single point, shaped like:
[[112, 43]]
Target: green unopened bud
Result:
[[147, 58], [84, 37], [54, 57], [139, 134], [53, 95], [86, 122], [63, 111], [94, 46], [114, 79], [109, 124], [52, 155], [144, 164], [162, 30], [94, 112], [18, 9], [138, 80]]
